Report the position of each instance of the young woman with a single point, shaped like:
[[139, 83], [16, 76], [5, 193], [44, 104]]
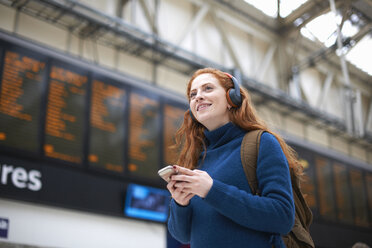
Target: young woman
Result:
[[212, 204]]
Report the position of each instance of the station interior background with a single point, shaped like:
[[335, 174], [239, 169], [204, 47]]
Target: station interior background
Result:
[[307, 64]]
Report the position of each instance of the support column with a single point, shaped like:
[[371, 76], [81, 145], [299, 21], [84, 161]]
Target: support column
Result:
[[348, 93]]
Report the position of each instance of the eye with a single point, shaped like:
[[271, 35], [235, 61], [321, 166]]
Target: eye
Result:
[[208, 88], [192, 95]]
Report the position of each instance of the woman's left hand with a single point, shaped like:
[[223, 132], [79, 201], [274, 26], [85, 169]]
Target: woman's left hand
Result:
[[193, 181]]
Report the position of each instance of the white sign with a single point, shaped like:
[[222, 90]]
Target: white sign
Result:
[[20, 177]]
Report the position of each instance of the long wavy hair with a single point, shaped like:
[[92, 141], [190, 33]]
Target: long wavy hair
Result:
[[190, 137]]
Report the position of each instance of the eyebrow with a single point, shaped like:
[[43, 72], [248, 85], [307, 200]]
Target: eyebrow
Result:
[[201, 86]]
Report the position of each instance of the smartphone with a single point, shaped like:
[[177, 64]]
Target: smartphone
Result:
[[167, 172]]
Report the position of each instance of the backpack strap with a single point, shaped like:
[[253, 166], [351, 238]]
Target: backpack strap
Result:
[[249, 154]]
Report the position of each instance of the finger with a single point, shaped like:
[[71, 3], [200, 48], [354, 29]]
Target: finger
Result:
[[182, 184], [183, 178], [170, 185], [189, 196], [182, 170], [178, 194]]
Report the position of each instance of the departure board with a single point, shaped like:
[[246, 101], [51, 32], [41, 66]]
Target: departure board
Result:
[[307, 185], [173, 118], [369, 195], [325, 188], [65, 112], [343, 196], [107, 126], [20, 101], [144, 143], [359, 198]]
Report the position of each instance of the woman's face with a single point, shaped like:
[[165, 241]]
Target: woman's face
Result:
[[208, 101]]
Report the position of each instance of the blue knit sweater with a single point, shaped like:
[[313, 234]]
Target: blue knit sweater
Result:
[[230, 216]]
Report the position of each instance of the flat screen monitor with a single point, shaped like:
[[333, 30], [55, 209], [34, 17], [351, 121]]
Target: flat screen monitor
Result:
[[148, 203]]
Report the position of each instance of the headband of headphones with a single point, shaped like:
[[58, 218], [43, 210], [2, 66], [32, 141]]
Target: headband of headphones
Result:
[[232, 95]]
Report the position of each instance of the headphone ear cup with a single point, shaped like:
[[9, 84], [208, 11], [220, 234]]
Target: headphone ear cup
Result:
[[232, 98], [233, 95]]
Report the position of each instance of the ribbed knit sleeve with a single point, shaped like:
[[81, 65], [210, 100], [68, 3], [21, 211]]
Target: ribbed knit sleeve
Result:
[[271, 212], [179, 222]]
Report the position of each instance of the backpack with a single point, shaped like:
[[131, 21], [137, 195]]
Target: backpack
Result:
[[299, 236]]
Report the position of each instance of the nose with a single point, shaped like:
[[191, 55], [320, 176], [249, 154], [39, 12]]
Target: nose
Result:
[[199, 96]]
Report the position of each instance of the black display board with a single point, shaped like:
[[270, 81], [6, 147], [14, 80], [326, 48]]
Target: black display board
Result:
[[22, 75], [72, 137], [65, 113]]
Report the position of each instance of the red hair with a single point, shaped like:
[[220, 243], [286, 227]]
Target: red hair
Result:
[[190, 137]]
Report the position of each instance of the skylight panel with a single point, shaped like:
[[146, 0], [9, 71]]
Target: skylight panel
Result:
[[360, 55], [324, 29], [268, 7], [288, 6]]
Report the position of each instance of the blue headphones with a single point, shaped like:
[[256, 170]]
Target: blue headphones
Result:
[[232, 95]]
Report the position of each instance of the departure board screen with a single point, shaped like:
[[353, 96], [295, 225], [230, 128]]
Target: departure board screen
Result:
[[308, 188], [20, 99], [325, 188], [359, 198], [369, 195], [144, 142], [173, 118], [107, 126], [342, 190], [65, 112], [307, 185]]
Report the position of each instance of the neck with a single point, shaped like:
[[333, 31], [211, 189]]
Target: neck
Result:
[[214, 125]]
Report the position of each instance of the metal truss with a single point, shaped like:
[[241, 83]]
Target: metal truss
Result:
[[89, 24]]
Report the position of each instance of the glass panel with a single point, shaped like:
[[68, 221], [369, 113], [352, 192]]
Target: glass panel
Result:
[[343, 196], [144, 136], [325, 188], [308, 185], [106, 146], [20, 98], [173, 118], [359, 198], [369, 191], [65, 114]]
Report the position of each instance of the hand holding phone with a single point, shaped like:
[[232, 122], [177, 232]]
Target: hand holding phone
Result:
[[167, 172]]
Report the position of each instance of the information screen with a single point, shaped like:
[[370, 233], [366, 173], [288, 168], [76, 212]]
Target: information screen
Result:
[[144, 142], [65, 112], [20, 101], [342, 191], [369, 195], [359, 198], [307, 185], [325, 189], [173, 118], [147, 203], [107, 126]]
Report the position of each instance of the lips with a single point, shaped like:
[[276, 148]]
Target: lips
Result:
[[203, 106]]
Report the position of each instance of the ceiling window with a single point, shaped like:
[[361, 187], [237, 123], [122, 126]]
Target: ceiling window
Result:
[[270, 7]]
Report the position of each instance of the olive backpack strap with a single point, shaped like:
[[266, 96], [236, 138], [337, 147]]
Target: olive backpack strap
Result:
[[249, 154], [299, 236]]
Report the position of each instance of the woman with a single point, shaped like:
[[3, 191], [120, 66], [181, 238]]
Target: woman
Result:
[[212, 204]]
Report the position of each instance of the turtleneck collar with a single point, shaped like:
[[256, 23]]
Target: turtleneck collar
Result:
[[222, 135]]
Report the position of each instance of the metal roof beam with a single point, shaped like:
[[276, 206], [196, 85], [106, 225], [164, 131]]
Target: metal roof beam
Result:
[[326, 86], [264, 65], [183, 59], [222, 31], [149, 16], [203, 11]]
